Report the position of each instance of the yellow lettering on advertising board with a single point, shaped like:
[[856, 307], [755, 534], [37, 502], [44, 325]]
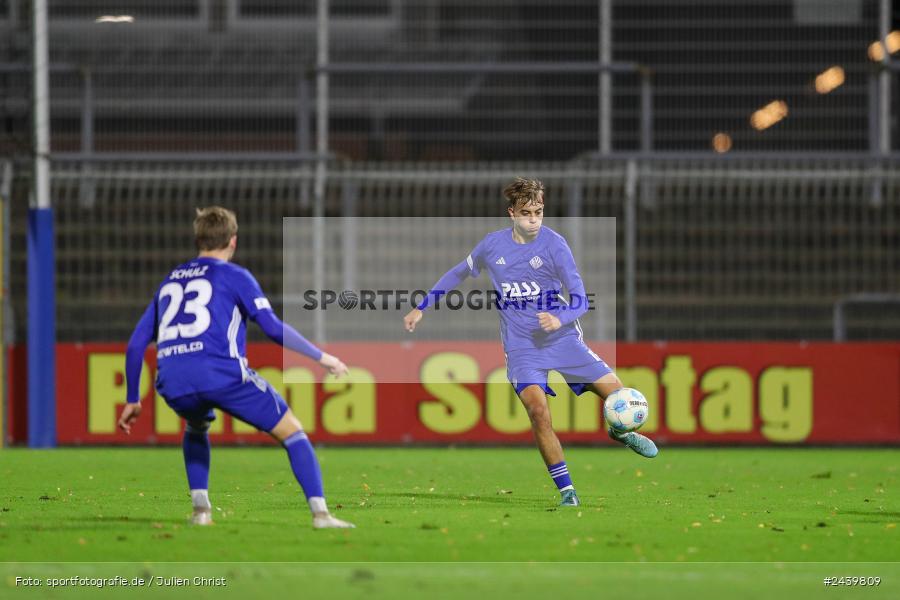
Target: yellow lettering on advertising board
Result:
[[728, 405], [453, 408], [351, 408], [678, 377], [783, 398], [786, 403]]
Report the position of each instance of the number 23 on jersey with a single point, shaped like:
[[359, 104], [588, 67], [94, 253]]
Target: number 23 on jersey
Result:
[[195, 306]]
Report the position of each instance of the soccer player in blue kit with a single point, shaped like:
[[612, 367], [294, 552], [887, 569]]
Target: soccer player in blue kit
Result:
[[527, 264], [198, 319]]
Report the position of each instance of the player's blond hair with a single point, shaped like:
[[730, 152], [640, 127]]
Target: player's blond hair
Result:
[[523, 192], [214, 227]]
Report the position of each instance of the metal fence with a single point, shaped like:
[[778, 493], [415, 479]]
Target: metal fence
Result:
[[706, 249]]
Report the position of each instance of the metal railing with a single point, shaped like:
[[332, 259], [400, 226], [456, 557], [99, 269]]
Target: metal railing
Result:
[[840, 308], [707, 249]]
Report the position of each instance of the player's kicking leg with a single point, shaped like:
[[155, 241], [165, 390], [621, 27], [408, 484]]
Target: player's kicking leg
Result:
[[535, 400], [305, 465], [641, 444]]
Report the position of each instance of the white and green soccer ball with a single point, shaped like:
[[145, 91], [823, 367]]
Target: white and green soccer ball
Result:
[[626, 410]]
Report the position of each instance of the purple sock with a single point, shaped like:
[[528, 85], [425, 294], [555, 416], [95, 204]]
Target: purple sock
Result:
[[304, 464], [196, 458], [560, 474]]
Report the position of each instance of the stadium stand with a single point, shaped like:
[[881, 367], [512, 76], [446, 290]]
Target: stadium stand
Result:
[[224, 75]]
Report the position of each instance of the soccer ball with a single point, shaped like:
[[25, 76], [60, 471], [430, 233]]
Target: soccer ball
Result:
[[626, 410]]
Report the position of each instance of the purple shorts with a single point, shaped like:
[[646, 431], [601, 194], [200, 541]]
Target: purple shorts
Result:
[[254, 402], [530, 368]]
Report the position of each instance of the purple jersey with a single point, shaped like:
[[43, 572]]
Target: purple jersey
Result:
[[200, 315], [528, 279]]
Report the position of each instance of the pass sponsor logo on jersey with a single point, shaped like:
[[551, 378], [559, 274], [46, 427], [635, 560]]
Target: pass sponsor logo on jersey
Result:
[[517, 289]]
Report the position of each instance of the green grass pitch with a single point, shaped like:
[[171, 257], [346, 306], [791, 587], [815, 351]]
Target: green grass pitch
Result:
[[450, 520]]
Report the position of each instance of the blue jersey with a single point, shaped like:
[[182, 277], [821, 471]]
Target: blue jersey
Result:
[[201, 311], [528, 279]]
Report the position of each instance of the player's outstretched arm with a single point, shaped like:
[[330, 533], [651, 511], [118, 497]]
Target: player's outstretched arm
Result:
[[285, 335], [134, 360], [446, 283]]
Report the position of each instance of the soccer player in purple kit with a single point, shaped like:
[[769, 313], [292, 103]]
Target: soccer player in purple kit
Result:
[[198, 319], [528, 264]]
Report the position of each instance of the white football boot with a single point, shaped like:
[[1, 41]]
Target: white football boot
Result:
[[202, 517], [327, 521]]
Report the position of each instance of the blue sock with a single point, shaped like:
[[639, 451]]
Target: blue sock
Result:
[[560, 474], [306, 469], [196, 458]]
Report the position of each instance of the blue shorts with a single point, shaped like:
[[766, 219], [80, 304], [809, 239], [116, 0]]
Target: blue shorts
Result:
[[531, 367], [254, 402]]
